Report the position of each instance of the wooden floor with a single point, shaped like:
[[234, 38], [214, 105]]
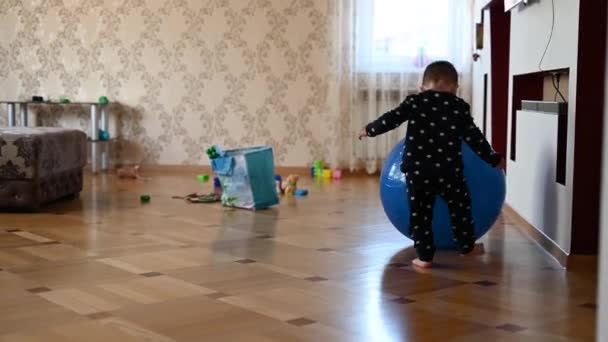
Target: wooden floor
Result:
[[324, 268]]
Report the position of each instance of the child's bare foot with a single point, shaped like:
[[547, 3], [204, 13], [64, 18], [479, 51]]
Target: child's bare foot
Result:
[[422, 264], [477, 250]]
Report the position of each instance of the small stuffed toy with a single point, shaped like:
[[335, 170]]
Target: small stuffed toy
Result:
[[130, 172], [291, 184]]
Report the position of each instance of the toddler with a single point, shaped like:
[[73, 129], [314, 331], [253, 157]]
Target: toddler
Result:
[[432, 161]]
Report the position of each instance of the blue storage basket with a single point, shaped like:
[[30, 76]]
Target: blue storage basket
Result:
[[248, 178]]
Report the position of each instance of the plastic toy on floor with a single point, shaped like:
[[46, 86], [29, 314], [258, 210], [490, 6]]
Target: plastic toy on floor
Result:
[[291, 185], [317, 168], [320, 170], [217, 186], [215, 196], [205, 198], [279, 180], [128, 172], [301, 192]]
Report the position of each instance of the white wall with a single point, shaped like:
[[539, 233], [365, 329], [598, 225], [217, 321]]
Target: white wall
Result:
[[533, 175], [483, 65], [530, 28], [480, 68], [479, 5]]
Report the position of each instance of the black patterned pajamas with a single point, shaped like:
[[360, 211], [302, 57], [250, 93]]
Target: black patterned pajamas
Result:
[[422, 193], [438, 123]]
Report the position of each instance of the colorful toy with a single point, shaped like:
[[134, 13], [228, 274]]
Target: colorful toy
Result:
[[301, 192], [291, 184], [128, 172], [317, 169], [145, 198], [279, 180], [337, 174], [104, 135], [64, 100], [215, 196], [327, 174], [103, 100], [217, 186], [206, 198], [212, 153]]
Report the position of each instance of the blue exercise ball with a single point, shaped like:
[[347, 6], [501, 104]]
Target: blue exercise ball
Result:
[[486, 187]]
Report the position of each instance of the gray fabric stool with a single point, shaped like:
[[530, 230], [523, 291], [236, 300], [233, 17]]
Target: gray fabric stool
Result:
[[40, 165]]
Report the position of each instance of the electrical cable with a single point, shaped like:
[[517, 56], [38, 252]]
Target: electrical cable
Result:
[[540, 64]]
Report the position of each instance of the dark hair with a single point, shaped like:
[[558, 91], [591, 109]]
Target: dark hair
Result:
[[440, 71]]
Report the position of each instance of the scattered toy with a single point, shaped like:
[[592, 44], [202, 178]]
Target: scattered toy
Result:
[[291, 184], [201, 198], [317, 168], [212, 152], [145, 198], [130, 172], [209, 198], [279, 180], [217, 187], [103, 100], [104, 135], [215, 196], [301, 192]]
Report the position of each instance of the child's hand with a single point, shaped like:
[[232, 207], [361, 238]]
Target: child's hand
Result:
[[363, 133]]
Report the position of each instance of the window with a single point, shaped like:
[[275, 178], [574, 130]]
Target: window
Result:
[[406, 35]]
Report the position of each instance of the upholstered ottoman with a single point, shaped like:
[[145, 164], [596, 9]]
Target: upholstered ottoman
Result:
[[39, 165]]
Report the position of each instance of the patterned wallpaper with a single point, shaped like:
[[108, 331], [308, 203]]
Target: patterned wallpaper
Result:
[[187, 73]]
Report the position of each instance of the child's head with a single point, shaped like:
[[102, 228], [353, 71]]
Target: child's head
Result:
[[440, 76]]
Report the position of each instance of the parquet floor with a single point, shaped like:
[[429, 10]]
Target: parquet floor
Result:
[[328, 267]]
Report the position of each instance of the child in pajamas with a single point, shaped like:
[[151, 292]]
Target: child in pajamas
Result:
[[432, 160]]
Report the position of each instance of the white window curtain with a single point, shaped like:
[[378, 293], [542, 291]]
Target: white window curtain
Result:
[[381, 50]]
